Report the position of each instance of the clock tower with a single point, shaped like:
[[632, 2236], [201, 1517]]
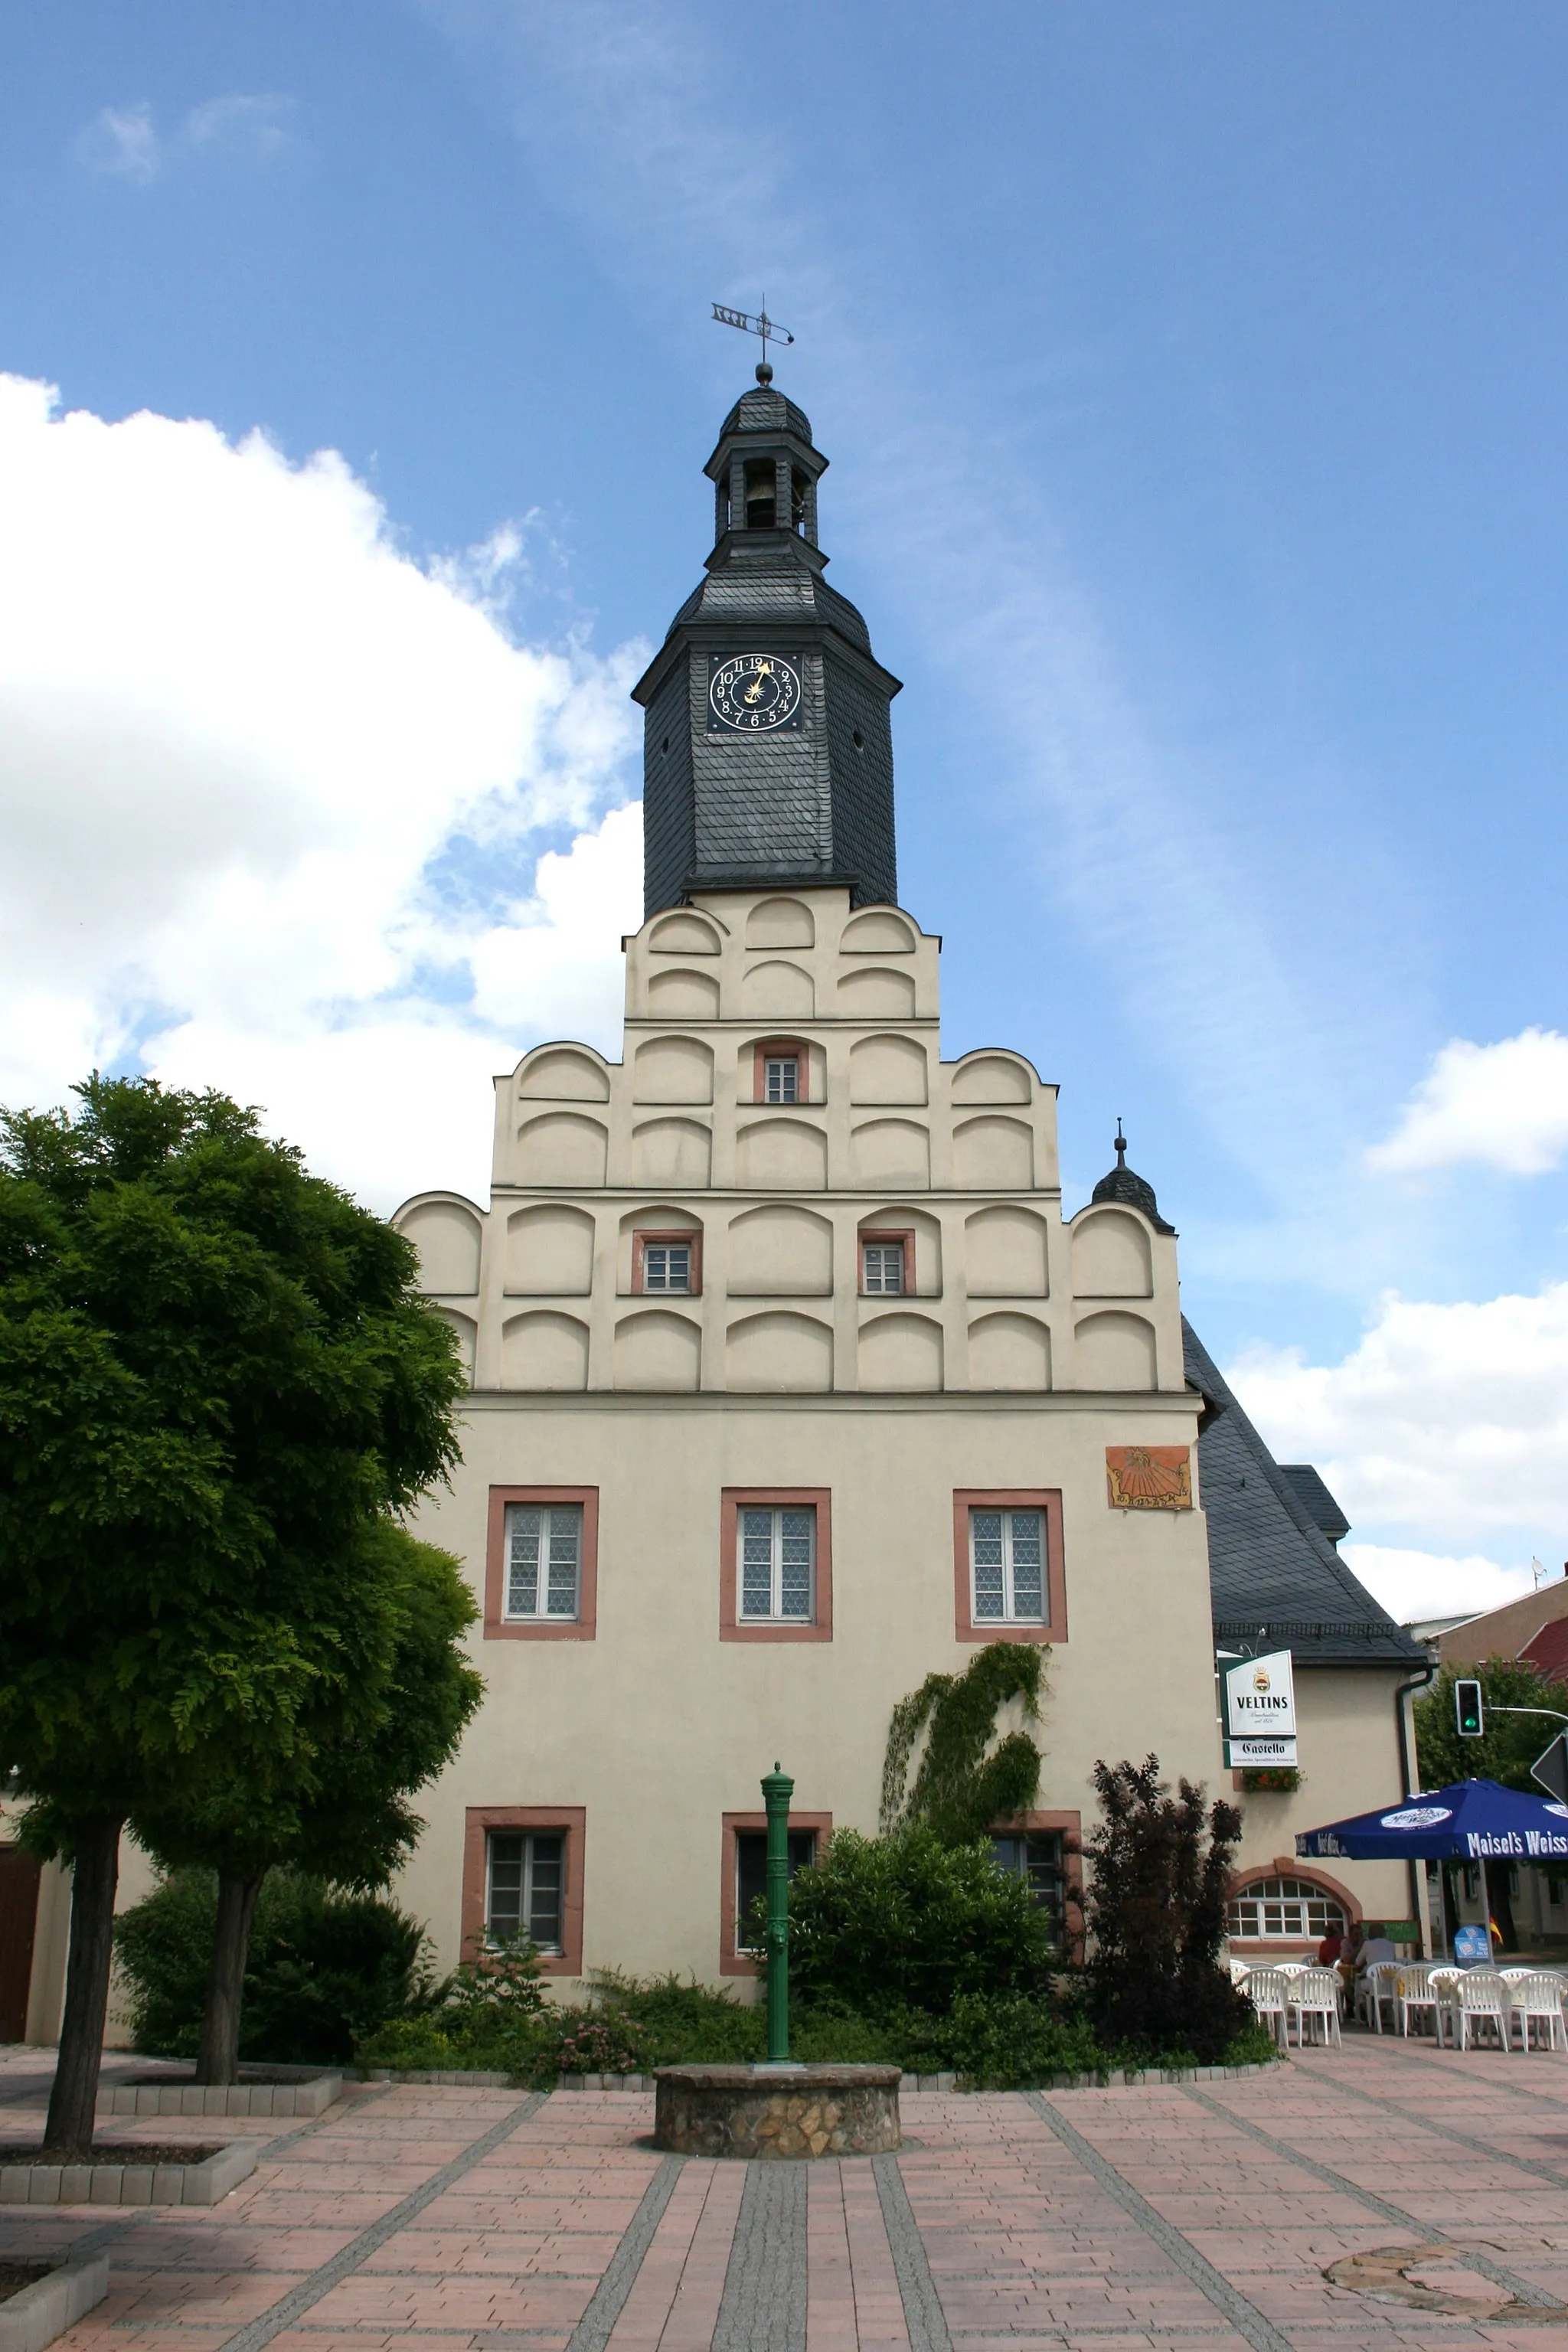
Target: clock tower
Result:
[[767, 751]]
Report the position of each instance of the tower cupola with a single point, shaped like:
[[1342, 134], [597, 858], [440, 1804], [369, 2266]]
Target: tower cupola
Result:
[[767, 744]]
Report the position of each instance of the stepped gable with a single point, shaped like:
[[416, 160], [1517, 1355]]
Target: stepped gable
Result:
[[1270, 1562]]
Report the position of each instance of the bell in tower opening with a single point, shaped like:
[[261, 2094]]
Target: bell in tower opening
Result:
[[768, 748]]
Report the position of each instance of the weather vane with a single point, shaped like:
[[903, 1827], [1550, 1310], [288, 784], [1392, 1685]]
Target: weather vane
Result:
[[769, 329]]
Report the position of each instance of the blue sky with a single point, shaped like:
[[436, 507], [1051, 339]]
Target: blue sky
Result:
[[1193, 384]]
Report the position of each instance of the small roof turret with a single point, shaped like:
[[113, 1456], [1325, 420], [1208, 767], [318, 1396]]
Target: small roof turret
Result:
[[1133, 1191]]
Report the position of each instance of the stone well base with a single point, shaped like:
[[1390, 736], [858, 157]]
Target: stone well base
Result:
[[776, 2111]]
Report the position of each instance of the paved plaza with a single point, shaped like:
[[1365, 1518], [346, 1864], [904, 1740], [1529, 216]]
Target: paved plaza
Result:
[[1209, 2214]]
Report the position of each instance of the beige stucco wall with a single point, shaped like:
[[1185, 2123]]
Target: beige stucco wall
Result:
[[658, 1727], [1349, 1749], [1030, 1344]]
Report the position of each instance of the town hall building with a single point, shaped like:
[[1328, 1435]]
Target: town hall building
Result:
[[791, 1383]]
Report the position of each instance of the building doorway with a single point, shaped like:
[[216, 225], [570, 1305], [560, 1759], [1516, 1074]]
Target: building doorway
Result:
[[19, 1875]]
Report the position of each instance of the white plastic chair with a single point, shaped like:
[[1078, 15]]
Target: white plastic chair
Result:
[[1535, 1995], [1474, 1994], [1378, 1983], [1415, 1992], [1239, 1970], [1268, 1990], [1316, 1994]]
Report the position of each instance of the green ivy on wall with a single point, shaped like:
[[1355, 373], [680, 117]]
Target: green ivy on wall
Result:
[[964, 1785]]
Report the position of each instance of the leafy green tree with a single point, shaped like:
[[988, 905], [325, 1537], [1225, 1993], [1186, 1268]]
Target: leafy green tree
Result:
[[342, 1812], [1511, 1742], [1505, 1753], [964, 1785], [215, 1372]]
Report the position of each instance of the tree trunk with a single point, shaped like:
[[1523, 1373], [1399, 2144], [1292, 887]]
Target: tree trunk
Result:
[[218, 2056], [67, 2136]]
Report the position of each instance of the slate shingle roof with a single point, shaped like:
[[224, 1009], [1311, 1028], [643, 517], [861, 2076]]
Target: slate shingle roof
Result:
[[1270, 1563]]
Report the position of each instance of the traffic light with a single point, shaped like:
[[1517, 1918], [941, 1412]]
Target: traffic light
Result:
[[1467, 1712]]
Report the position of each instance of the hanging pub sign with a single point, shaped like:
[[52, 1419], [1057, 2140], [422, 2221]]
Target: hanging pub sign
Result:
[[1259, 1710]]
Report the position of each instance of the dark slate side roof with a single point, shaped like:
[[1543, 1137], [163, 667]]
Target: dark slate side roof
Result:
[[1270, 1563], [1315, 1499]]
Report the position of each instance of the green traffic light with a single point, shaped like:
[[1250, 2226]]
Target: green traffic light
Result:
[[1468, 1711]]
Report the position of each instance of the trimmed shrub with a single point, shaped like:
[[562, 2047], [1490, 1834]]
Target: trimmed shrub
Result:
[[885, 1925], [325, 1969]]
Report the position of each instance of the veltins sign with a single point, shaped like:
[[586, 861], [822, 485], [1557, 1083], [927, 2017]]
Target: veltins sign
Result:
[[1260, 1710]]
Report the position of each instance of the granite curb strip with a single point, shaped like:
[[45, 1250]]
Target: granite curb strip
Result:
[[177, 2097], [608, 2300], [129, 2184], [310, 2289], [1517, 2286], [1243, 2314], [924, 2319], [39, 2312], [1115, 2079], [764, 2307]]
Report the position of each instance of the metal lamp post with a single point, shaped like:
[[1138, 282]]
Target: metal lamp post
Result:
[[777, 1790]]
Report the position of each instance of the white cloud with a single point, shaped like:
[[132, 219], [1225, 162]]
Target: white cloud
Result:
[[257, 124], [271, 796], [1416, 1584], [1447, 1423], [121, 143], [1505, 1104]]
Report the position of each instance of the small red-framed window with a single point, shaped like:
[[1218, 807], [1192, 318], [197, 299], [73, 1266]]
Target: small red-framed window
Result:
[[522, 1867], [1009, 1581], [741, 1829], [668, 1265], [765, 1533], [781, 1072], [541, 1564], [1045, 1850], [887, 1262]]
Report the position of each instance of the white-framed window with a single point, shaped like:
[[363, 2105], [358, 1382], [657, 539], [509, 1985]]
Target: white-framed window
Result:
[[780, 1077], [666, 1266], [752, 1873], [544, 1559], [882, 1268], [525, 1886], [1039, 1859], [1286, 1906], [1007, 1566], [778, 1564]]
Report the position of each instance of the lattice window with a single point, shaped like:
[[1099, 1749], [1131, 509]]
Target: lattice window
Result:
[[778, 1565], [525, 1886], [544, 1559], [1281, 1907], [1007, 1566]]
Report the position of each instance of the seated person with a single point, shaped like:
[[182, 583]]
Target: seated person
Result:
[[1332, 1947]]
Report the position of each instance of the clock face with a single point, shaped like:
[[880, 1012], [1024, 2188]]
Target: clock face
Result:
[[750, 694]]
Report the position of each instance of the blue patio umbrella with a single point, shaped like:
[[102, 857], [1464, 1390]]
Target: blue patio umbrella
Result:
[[1470, 1821]]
